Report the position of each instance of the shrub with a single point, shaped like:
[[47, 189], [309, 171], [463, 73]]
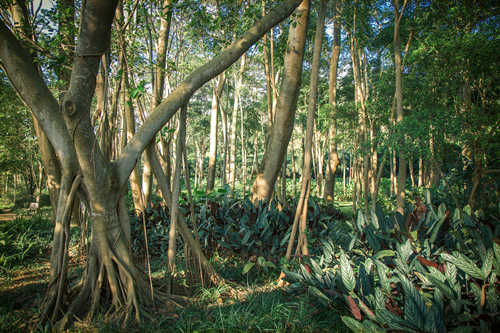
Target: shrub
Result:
[[441, 276]]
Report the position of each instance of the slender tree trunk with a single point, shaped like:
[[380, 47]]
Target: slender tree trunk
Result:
[[212, 159], [301, 212], [225, 141], [412, 175], [403, 163], [333, 157], [174, 207], [267, 70], [243, 153], [361, 168], [394, 180], [420, 172], [283, 125], [236, 106], [294, 171]]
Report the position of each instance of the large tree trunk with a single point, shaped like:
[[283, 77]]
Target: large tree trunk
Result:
[[333, 157], [283, 124], [109, 265]]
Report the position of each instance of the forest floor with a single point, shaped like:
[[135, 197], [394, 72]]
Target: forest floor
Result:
[[251, 302]]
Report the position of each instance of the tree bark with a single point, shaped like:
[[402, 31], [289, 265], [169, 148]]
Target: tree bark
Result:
[[174, 206], [333, 157], [214, 110], [301, 212], [283, 125], [234, 118], [403, 163]]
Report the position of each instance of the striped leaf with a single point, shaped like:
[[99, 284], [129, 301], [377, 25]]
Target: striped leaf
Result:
[[347, 273]]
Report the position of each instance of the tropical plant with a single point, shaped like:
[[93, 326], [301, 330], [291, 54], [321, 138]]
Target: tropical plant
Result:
[[441, 276]]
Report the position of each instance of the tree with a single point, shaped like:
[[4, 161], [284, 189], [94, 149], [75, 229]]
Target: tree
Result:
[[281, 131], [305, 190], [85, 168], [333, 157], [403, 163]]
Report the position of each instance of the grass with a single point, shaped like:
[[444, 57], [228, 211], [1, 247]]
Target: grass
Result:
[[251, 302]]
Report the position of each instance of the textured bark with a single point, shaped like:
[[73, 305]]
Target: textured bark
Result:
[[420, 172], [333, 157], [267, 70], [283, 124], [363, 164]]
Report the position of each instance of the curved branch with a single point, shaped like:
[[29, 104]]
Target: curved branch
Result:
[[163, 112]]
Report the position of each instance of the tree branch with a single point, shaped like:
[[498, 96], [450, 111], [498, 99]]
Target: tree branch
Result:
[[163, 112]]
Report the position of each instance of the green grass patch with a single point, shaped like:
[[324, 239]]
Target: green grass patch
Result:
[[22, 240]]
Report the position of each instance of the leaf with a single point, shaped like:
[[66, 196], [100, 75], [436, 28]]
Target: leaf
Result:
[[366, 310], [382, 270], [356, 312], [347, 274], [248, 266], [415, 308], [321, 297], [442, 287], [354, 325], [269, 264], [246, 237], [487, 263], [291, 277], [465, 264], [375, 220], [384, 253], [360, 221], [392, 320], [428, 263]]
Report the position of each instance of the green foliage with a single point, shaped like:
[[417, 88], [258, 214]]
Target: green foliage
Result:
[[443, 277], [22, 240], [18, 146], [233, 226]]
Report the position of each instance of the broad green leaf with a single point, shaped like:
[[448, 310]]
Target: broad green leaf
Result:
[[374, 219], [487, 263], [347, 273], [323, 299], [441, 286], [353, 324], [465, 264], [248, 266]]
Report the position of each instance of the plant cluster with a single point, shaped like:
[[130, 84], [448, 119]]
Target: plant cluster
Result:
[[235, 226], [432, 274], [22, 239]]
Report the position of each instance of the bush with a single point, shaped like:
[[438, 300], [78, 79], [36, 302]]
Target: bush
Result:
[[439, 276]]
